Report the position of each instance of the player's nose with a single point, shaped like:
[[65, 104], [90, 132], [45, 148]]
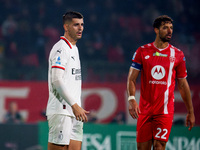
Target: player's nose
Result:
[[169, 31]]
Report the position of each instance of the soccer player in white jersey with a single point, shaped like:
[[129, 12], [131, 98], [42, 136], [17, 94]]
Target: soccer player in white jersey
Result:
[[160, 64], [64, 112]]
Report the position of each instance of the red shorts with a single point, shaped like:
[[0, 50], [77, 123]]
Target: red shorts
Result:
[[156, 127]]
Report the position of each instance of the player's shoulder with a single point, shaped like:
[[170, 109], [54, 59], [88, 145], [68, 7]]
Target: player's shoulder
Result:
[[60, 46], [177, 50], [59, 49], [149, 45], [146, 47]]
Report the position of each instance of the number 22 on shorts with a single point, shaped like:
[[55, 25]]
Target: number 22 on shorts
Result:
[[161, 133]]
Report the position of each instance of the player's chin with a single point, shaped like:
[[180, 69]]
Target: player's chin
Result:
[[168, 38], [79, 37]]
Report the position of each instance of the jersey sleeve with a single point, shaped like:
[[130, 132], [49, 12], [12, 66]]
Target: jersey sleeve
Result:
[[181, 71], [137, 60], [59, 59]]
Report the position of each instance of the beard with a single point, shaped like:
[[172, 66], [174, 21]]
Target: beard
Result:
[[164, 38]]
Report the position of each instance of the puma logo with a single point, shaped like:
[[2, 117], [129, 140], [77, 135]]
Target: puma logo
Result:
[[59, 51], [73, 58]]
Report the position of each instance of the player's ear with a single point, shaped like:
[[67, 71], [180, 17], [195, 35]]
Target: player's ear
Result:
[[65, 26], [156, 30]]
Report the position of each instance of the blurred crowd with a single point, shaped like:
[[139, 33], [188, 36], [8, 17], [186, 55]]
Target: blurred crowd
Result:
[[114, 29], [12, 115]]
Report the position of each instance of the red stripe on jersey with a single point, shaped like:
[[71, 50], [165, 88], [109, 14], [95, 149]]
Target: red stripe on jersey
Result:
[[66, 42], [58, 67]]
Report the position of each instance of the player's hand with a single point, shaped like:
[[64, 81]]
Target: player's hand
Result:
[[190, 121], [134, 109], [80, 113]]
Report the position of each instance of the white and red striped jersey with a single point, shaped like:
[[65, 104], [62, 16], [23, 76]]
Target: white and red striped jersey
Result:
[[64, 56], [159, 69]]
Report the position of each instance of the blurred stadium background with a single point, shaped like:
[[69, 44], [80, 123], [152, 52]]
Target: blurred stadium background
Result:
[[113, 30]]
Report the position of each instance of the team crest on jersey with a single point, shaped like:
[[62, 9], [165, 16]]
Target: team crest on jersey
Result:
[[172, 59]]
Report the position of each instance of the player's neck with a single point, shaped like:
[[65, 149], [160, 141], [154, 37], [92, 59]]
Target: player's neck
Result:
[[71, 40], [160, 44]]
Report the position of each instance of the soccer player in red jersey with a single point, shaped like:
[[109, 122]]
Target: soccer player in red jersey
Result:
[[160, 64]]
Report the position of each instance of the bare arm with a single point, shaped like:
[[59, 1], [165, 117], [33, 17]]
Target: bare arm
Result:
[[131, 88], [184, 90]]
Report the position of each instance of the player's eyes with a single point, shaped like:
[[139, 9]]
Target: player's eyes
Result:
[[78, 24]]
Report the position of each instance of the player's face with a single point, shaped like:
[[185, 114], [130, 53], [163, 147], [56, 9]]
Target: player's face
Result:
[[75, 28], [165, 31]]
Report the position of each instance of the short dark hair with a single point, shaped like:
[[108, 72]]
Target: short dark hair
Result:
[[158, 21], [68, 16]]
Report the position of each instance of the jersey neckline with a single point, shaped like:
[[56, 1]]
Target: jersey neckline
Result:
[[160, 48], [68, 43]]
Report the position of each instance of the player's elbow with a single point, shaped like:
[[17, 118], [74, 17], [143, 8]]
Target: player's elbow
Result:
[[182, 83], [57, 83]]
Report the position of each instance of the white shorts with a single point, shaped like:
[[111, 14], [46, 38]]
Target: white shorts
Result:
[[62, 128]]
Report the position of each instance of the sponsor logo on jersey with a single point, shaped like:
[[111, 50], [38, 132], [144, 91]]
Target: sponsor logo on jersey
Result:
[[158, 82], [77, 73], [159, 54], [158, 73], [78, 77]]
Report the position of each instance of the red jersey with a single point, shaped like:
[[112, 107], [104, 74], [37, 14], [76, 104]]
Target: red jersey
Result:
[[159, 68]]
